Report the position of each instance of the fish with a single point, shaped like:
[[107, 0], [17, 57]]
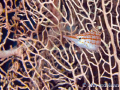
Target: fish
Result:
[[90, 40]]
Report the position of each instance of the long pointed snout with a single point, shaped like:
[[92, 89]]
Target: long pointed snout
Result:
[[71, 37]]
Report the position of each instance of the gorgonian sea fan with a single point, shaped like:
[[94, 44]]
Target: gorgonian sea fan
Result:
[[35, 55]]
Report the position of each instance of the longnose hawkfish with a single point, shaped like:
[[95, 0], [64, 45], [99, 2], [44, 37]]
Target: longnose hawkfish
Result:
[[90, 40]]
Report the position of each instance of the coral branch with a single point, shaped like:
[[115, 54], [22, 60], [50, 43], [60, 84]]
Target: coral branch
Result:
[[12, 52]]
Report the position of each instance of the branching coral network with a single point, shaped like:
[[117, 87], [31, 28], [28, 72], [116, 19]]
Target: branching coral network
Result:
[[35, 56]]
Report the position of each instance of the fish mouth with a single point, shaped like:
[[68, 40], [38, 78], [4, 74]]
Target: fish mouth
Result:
[[70, 36]]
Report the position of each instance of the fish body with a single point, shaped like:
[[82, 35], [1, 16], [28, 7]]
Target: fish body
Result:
[[90, 40]]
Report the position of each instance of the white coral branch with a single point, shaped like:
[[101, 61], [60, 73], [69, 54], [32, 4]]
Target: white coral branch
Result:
[[15, 51]]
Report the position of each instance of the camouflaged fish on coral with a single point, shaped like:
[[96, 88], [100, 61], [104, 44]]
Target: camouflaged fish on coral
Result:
[[90, 40]]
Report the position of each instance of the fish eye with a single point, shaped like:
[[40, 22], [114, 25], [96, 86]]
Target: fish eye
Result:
[[79, 38]]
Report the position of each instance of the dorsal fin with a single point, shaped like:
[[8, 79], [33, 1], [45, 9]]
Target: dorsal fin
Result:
[[96, 30]]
